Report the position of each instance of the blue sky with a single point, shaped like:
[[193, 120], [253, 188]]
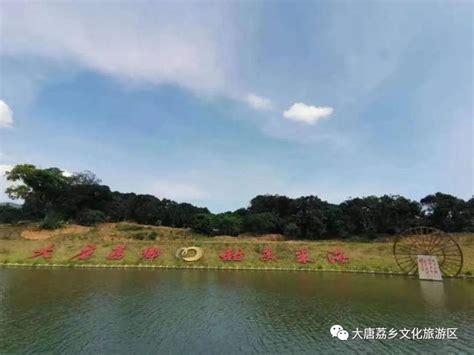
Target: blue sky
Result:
[[215, 102]]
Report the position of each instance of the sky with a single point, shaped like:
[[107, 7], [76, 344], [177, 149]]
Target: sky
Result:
[[213, 103]]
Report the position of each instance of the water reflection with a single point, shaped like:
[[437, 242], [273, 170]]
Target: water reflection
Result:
[[170, 311], [433, 293]]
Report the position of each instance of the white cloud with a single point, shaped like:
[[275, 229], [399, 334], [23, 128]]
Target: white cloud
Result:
[[66, 173], [301, 112], [177, 191], [258, 102], [150, 44], [6, 115]]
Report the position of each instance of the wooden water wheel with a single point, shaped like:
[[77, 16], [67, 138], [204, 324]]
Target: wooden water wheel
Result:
[[427, 241]]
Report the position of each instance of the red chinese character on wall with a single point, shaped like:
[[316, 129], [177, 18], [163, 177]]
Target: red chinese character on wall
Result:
[[432, 266], [267, 254], [231, 255], [45, 252], [423, 265], [302, 256], [86, 252], [337, 257], [151, 253], [239, 255], [117, 253], [227, 255]]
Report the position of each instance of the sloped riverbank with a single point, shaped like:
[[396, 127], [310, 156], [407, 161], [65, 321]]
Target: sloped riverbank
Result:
[[267, 253]]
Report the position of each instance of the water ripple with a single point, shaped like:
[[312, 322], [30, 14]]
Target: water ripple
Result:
[[212, 312]]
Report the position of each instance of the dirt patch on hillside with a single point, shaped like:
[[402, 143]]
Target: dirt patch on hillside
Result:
[[36, 234]]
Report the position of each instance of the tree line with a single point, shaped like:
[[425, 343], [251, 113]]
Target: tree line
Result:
[[51, 199]]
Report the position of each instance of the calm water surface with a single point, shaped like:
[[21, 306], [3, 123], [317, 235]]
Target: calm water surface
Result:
[[210, 312]]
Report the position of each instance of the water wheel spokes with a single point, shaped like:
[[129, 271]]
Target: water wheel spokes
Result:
[[427, 241]]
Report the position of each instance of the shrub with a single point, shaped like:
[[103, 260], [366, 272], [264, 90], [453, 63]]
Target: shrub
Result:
[[202, 223], [89, 217], [10, 214], [138, 236], [229, 224], [127, 227], [151, 235], [52, 221], [292, 230], [261, 223]]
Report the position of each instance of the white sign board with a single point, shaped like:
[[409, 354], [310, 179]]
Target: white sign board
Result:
[[428, 268]]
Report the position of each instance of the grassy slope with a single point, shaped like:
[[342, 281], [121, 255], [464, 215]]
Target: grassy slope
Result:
[[363, 256]]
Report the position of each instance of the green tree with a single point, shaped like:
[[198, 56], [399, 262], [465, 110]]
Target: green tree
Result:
[[310, 217], [360, 215], [261, 223], [396, 214], [469, 212], [280, 206], [10, 214], [228, 224], [43, 186], [49, 194], [203, 223], [292, 230], [88, 217], [446, 212]]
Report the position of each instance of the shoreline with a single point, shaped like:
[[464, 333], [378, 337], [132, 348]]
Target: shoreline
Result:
[[216, 268], [131, 246]]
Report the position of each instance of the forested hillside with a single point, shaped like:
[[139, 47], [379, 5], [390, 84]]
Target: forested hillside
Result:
[[52, 199]]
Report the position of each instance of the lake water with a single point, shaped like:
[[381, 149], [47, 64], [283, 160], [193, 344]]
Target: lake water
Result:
[[194, 312]]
